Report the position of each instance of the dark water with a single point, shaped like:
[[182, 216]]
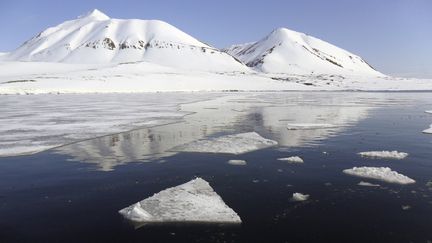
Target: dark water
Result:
[[73, 194]]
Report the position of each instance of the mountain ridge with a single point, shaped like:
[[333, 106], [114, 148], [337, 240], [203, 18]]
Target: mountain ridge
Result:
[[288, 51], [94, 37]]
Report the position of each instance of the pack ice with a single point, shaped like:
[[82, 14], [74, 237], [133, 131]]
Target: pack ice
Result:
[[192, 202], [228, 144], [380, 173], [384, 154]]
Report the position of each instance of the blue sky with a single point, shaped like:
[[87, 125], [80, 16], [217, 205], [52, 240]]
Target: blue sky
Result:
[[395, 36]]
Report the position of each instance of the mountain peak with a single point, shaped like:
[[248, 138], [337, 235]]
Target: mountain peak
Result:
[[284, 31], [95, 14]]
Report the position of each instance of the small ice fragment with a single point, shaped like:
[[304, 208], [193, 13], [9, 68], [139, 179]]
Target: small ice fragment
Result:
[[364, 183], [236, 162], [255, 181], [429, 130], [328, 184], [379, 173], [228, 144], [384, 154], [191, 202], [308, 126], [299, 197], [406, 207], [292, 159], [430, 112], [429, 184]]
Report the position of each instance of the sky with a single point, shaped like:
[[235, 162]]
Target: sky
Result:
[[394, 36]]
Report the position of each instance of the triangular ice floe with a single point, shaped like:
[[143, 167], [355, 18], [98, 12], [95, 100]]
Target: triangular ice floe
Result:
[[192, 202]]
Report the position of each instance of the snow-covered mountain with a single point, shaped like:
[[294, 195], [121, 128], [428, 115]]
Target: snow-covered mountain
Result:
[[287, 51], [96, 38]]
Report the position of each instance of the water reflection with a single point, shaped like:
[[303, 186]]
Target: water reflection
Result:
[[265, 113]]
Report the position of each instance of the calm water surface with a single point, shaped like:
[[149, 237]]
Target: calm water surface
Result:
[[73, 193]]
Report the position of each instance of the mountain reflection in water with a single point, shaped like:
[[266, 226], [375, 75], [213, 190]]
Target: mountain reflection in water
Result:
[[266, 113]]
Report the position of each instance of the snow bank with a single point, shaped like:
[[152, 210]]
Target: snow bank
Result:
[[306, 126], [236, 162], [363, 183], [229, 144], [292, 159], [192, 202], [298, 197], [380, 173], [428, 131], [384, 154]]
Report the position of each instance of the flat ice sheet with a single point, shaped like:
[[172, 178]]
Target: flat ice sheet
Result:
[[192, 202], [228, 144], [308, 126], [292, 159], [380, 173], [384, 154], [30, 124]]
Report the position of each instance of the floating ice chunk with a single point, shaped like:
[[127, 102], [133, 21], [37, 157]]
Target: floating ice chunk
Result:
[[299, 197], [192, 202], [429, 130], [229, 144], [307, 126], [292, 159], [406, 207], [430, 112], [364, 183], [384, 154], [236, 162], [380, 173]]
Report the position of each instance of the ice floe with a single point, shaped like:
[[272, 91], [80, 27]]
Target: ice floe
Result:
[[228, 144], [192, 202], [384, 154], [306, 126], [292, 159], [380, 173], [406, 207], [236, 162], [364, 183], [298, 197], [429, 130], [430, 112]]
